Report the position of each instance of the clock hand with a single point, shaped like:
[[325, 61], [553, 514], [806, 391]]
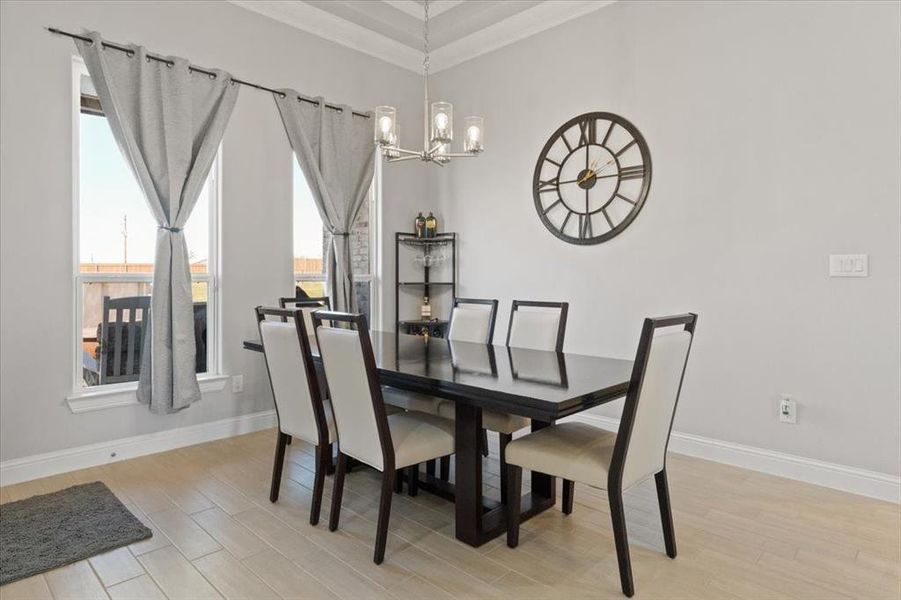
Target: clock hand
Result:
[[587, 178]]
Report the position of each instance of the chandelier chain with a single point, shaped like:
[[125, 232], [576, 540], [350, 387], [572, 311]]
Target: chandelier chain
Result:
[[425, 37]]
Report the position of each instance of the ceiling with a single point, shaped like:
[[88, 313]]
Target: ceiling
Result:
[[459, 30]]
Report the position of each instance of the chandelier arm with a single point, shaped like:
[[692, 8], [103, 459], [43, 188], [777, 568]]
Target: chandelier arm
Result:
[[402, 158], [404, 151]]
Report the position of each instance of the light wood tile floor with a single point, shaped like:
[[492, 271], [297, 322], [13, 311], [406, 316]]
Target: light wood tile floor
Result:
[[740, 535]]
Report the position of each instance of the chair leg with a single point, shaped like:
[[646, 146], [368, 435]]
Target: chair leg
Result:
[[484, 442], [618, 517], [337, 491], [504, 439], [513, 477], [331, 462], [398, 483], [445, 468], [413, 480], [569, 490], [666, 513], [430, 467], [323, 458], [277, 465], [290, 439], [381, 534]]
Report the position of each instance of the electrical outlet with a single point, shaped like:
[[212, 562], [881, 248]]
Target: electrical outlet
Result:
[[788, 410], [238, 384]]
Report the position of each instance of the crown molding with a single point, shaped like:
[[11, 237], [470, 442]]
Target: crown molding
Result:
[[323, 24], [543, 16], [415, 9], [335, 29]]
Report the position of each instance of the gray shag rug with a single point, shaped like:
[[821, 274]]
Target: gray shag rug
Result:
[[53, 530]]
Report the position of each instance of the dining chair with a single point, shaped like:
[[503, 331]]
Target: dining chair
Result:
[[534, 326], [365, 431], [308, 305], [471, 320], [615, 461], [299, 407]]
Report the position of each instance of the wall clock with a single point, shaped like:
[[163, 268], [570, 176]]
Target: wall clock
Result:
[[592, 178]]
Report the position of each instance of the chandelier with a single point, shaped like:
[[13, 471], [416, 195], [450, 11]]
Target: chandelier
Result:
[[438, 123]]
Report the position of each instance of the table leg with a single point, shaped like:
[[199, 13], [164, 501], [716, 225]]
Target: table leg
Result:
[[468, 484]]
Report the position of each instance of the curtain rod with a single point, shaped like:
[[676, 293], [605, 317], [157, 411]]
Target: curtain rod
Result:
[[263, 88]]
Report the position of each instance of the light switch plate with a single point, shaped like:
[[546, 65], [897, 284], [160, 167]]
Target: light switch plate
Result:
[[849, 265]]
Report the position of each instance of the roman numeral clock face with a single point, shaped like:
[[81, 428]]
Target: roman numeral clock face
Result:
[[592, 178]]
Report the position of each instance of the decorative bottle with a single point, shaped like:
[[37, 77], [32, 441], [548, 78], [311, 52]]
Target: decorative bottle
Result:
[[431, 226], [425, 310], [419, 225]]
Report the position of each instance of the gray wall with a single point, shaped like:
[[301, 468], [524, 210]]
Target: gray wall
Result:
[[774, 131], [36, 330]]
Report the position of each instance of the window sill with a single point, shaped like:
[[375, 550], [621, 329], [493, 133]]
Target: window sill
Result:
[[86, 401]]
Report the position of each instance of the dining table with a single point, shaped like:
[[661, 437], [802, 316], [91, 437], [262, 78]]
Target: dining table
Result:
[[542, 385]]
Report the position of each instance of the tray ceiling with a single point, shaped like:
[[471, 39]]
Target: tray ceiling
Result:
[[392, 29]]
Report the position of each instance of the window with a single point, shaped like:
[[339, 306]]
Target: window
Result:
[[311, 250], [115, 237]]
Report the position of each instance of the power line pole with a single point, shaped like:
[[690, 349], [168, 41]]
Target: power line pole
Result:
[[125, 239]]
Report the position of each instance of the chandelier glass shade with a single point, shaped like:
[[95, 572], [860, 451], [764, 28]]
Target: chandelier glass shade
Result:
[[438, 125]]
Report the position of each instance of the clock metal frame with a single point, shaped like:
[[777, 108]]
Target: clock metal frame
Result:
[[591, 118]]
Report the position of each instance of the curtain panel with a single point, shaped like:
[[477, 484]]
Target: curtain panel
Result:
[[336, 152], [168, 122]]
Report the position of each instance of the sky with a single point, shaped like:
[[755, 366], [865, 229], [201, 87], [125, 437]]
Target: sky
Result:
[[109, 192]]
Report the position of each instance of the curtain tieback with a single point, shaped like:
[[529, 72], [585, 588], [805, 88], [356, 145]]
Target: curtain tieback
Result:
[[340, 234], [170, 229]]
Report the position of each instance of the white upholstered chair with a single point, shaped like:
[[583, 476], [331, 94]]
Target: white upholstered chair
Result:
[[615, 462], [471, 320], [533, 326], [365, 431], [309, 305], [299, 407]]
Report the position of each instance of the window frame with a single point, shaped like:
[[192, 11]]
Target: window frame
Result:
[[84, 398], [374, 234]]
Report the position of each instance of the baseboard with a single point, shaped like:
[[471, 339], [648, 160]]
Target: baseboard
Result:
[[849, 479], [52, 463]]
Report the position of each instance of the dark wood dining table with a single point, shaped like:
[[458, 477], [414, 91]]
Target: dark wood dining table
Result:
[[542, 385]]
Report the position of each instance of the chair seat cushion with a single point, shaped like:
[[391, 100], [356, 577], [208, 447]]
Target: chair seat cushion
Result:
[[574, 451], [491, 420], [418, 437], [410, 400], [330, 421]]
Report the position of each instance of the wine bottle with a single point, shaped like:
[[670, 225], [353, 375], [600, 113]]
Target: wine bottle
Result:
[[431, 226], [425, 310], [419, 225]]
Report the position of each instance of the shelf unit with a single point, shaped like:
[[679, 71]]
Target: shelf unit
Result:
[[436, 327]]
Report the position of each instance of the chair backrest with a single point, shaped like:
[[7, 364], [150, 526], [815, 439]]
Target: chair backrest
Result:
[[472, 320], [295, 386], [122, 336], [354, 388], [537, 325], [650, 406], [308, 305]]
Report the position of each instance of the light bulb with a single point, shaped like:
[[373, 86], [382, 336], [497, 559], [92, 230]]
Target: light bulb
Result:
[[474, 133], [441, 120], [385, 124]]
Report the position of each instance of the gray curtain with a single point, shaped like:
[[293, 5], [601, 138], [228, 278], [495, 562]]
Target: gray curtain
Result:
[[336, 153], [168, 122]]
